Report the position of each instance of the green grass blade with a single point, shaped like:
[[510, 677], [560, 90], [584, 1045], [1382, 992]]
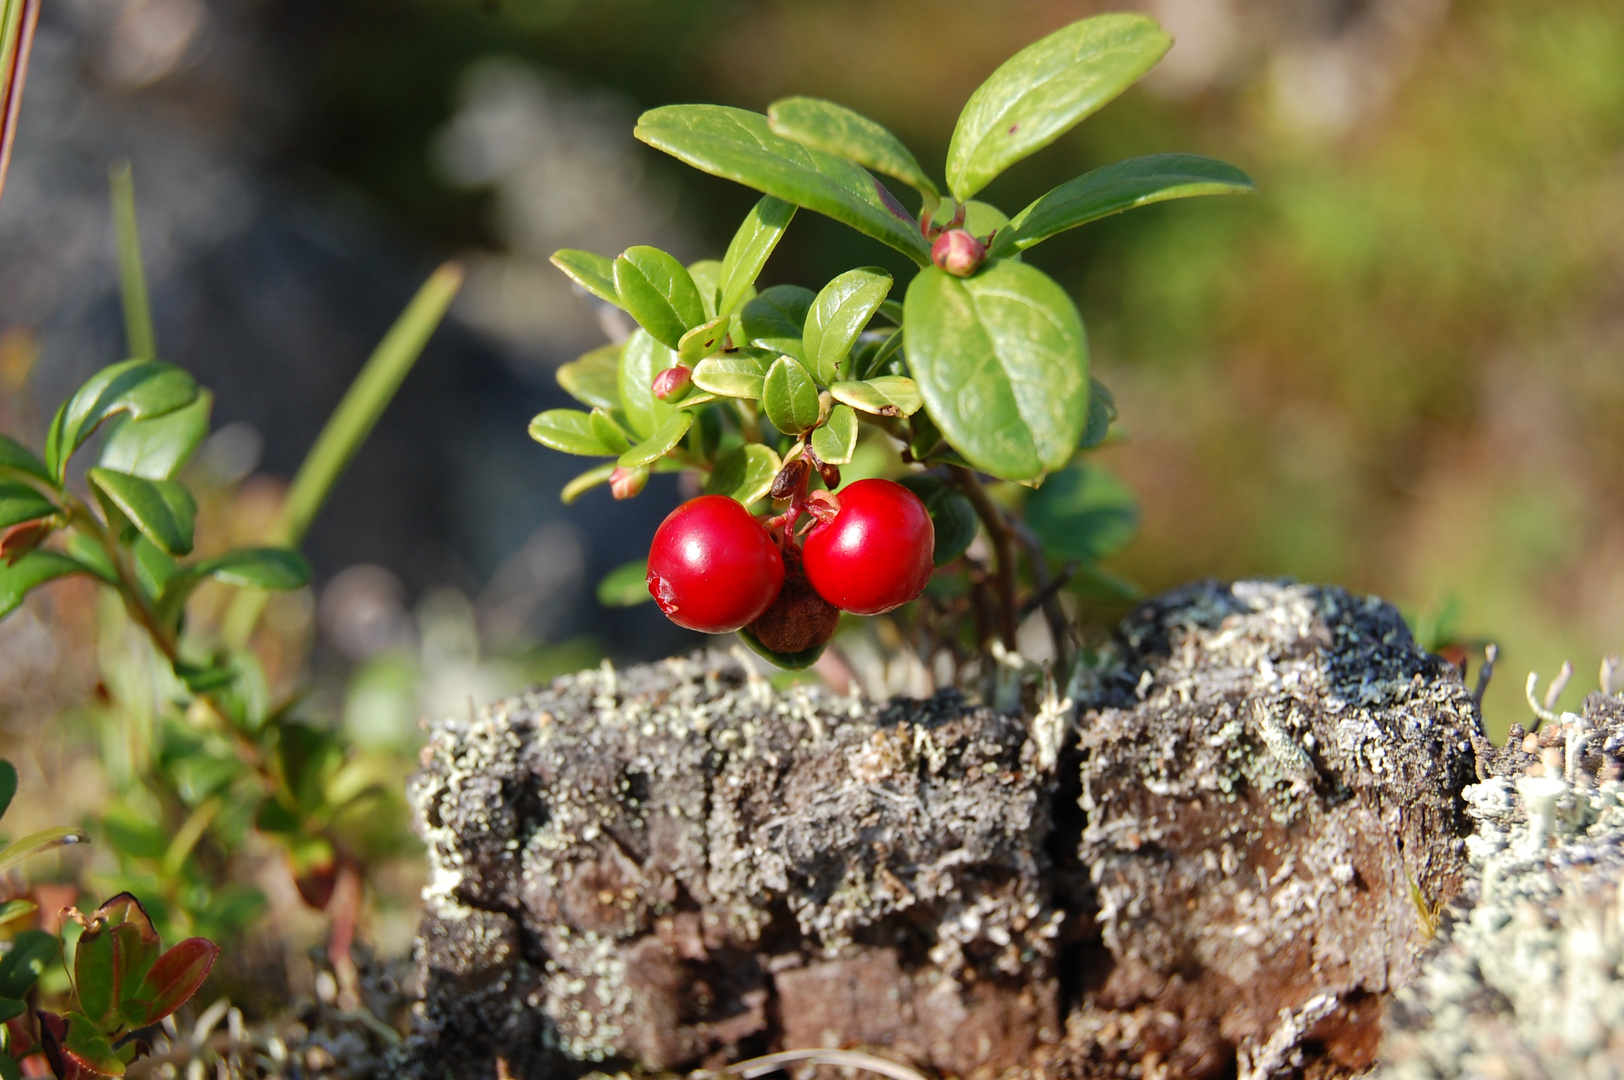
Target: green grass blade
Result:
[[132, 279]]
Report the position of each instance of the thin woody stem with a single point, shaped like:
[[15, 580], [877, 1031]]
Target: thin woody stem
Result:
[[1003, 546]]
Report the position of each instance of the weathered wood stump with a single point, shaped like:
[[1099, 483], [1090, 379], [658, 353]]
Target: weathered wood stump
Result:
[[1214, 858]]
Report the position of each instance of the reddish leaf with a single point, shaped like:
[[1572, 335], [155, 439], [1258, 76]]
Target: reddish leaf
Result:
[[52, 1030], [88, 1048], [115, 952], [22, 538], [125, 908], [175, 976]]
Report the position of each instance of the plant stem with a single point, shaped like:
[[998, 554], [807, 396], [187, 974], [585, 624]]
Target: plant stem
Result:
[[1003, 546], [1045, 597]]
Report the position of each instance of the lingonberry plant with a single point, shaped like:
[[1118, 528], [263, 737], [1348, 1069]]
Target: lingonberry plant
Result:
[[979, 374]]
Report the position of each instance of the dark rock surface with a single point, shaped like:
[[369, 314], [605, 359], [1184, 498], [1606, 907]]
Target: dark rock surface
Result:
[[1203, 861]]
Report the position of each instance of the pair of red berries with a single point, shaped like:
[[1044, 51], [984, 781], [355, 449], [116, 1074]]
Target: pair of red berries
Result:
[[713, 567]]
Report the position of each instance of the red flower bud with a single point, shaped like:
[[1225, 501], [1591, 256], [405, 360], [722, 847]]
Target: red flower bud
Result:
[[624, 483], [957, 252], [672, 383]]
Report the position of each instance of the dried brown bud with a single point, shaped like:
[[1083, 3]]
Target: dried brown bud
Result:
[[790, 479]]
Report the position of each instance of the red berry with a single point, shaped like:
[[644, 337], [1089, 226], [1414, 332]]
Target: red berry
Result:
[[875, 554], [713, 567]]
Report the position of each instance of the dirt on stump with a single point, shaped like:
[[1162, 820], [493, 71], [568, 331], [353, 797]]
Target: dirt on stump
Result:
[[1214, 855]]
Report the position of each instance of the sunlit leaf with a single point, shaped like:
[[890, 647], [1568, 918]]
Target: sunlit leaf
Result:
[[657, 291], [163, 510], [625, 586], [641, 360], [156, 448], [885, 395], [594, 273], [789, 396], [657, 445], [593, 379], [835, 440], [747, 253], [744, 473], [707, 278], [1041, 92], [586, 482], [835, 129], [611, 434], [775, 319], [738, 375], [837, 315], [703, 340], [570, 431]]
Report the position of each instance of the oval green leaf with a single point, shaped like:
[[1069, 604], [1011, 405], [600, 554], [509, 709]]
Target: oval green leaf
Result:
[[586, 482], [20, 503], [594, 273], [1102, 413], [952, 515], [704, 340], [657, 291], [747, 253], [593, 379], [774, 320], [837, 315], [1001, 362], [835, 440], [871, 363], [835, 129], [568, 430], [257, 568], [707, 277], [141, 388], [641, 360], [162, 510], [38, 843], [887, 395], [738, 375], [789, 396], [744, 473], [32, 951], [625, 586], [611, 434], [1115, 188], [16, 457], [1041, 92], [156, 448], [1083, 513], [740, 146], [657, 445]]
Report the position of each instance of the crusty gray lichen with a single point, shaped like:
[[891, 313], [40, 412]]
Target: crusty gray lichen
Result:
[[1524, 981], [1198, 861]]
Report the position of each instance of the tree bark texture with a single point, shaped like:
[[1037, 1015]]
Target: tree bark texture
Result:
[[1211, 855]]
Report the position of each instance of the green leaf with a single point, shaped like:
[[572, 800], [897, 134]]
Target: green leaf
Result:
[[887, 395], [951, 513], [738, 375], [88, 1048], [202, 679], [153, 569], [703, 340], [170, 981], [1102, 413], [707, 278], [157, 448], [37, 843], [569, 430], [35, 568], [744, 473], [789, 396], [1002, 364], [16, 457], [20, 503], [747, 253], [625, 586], [837, 315], [774, 320], [141, 388], [1115, 188], [739, 145], [835, 129], [657, 445], [586, 482], [641, 360], [92, 557], [658, 293], [32, 951], [594, 379], [1041, 92], [12, 910], [133, 835], [257, 568], [10, 1009], [609, 433], [594, 273], [9, 1069], [162, 509], [8, 785], [835, 440], [871, 363], [1083, 513]]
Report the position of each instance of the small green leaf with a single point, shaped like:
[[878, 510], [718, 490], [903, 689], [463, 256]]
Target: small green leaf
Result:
[[739, 146], [703, 340], [707, 278], [8, 785], [747, 253], [16, 457], [594, 273], [257, 568], [586, 482], [1102, 413], [1083, 513], [738, 375], [32, 951], [157, 448], [835, 440], [641, 360], [789, 396], [20, 503], [12, 910], [153, 569], [1115, 188], [1041, 92], [594, 379], [141, 388], [202, 679], [835, 129], [837, 315], [33, 569], [657, 445], [952, 515], [162, 509], [1002, 365], [611, 434], [37, 843], [887, 395], [570, 431], [658, 293], [625, 586], [88, 1048], [744, 473], [10, 1009], [9, 1069], [871, 363], [774, 320]]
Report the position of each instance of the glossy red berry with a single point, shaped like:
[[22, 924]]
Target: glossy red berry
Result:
[[875, 553], [713, 567]]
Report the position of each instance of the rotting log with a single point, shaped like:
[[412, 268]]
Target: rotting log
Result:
[[1214, 856]]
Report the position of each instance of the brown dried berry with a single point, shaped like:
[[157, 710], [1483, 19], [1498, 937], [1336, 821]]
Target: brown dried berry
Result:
[[798, 620]]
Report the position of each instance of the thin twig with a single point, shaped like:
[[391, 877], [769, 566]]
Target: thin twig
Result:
[[1047, 595], [1003, 545]]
